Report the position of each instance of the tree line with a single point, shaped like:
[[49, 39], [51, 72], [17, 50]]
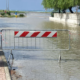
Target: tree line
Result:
[[61, 5]]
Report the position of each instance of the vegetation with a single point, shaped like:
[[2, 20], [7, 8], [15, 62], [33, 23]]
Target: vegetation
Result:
[[21, 15], [12, 11], [52, 14], [8, 13], [60, 4], [2, 14], [17, 11]]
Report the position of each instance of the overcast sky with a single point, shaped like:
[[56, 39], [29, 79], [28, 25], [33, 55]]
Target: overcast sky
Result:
[[22, 4]]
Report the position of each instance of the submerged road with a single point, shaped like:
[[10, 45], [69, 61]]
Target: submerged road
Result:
[[44, 65]]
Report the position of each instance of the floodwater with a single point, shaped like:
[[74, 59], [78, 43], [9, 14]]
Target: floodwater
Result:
[[44, 65]]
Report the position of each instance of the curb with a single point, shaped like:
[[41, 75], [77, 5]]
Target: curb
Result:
[[6, 68]]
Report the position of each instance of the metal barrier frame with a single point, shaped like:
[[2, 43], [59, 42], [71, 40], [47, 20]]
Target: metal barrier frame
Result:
[[37, 49]]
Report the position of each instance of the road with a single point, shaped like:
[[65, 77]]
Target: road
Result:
[[44, 65]]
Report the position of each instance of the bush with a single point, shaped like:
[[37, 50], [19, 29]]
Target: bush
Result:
[[9, 13], [52, 14], [2, 14], [21, 15]]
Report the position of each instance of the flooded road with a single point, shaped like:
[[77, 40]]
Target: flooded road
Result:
[[44, 65]]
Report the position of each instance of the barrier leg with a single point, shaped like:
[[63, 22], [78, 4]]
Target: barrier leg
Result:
[[1, 39], [12, 59], [12, 55], [10, 65], [9, 58], [59, 57], [9, 61]]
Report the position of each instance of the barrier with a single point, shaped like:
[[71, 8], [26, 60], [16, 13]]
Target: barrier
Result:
[[37, 34], [42, 40]]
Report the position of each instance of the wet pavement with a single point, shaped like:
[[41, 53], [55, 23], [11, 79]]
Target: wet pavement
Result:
[[44, 65]]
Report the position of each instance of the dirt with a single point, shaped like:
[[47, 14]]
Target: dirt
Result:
[[15, 75]]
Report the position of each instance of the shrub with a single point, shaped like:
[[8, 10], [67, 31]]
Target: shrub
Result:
[[9, 13], [2, 14], [21, 15]]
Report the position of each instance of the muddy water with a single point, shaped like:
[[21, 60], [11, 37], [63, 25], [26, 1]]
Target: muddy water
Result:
[[43, 65]]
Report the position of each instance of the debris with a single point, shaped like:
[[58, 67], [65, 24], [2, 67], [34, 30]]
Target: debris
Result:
[[12, 72], [18, 76]]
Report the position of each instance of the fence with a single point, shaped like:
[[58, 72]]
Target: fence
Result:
[[19, 39]]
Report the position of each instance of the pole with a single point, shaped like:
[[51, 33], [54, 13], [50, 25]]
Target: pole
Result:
[[6, 4], [1, 40], [59, 57]]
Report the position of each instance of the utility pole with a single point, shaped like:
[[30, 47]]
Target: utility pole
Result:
[[6, 4]]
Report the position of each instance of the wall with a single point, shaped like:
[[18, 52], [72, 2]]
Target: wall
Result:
[[66, 18]]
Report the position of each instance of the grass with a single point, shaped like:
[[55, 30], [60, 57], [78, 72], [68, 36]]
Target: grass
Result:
[[17, 11], [11, 16], [8, 16], [13, 11], [1, 10]]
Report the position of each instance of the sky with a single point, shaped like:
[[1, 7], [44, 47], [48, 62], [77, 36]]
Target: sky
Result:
[[22, 5]]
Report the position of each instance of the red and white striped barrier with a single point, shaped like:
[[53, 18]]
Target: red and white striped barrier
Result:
[[35, 33]]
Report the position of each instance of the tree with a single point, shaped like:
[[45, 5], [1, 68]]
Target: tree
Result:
[[47, 3], [61, 4]]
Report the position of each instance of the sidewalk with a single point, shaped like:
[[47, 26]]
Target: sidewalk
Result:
[[4, 72]]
